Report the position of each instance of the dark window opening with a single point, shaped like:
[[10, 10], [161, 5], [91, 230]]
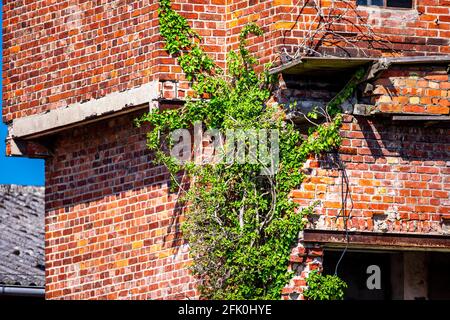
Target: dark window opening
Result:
[[353, 270], [405, 275], [402, 4]]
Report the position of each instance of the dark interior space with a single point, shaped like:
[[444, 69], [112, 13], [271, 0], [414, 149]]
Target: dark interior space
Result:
[[439, 276], [353, 270], [404, 275]]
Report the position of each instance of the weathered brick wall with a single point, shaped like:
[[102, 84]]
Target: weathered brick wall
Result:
[[64, 52], [304, 259], [419, 89], [58, 53], [112, 226], [364, 31], [398, 179]]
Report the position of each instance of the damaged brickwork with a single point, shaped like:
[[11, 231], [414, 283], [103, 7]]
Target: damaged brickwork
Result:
[[398, 179]]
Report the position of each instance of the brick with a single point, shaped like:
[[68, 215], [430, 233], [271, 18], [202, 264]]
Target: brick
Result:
[[414, 100], [384, 99], [414, 109], [438, 109], [137, 244], [282, 2], [14, 49], [437, 77]]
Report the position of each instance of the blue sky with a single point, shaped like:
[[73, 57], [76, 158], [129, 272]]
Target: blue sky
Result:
[[18, 170]]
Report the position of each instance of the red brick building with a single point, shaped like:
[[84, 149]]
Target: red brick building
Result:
[[76, 73]]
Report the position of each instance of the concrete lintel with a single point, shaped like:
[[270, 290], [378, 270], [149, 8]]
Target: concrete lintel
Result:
[[77, 114], [421, 117], [366, 239]]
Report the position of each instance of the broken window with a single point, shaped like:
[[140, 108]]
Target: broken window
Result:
[[404, 4]]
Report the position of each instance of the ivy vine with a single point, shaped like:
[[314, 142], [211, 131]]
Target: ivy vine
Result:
[[329, 287], [240, 225]]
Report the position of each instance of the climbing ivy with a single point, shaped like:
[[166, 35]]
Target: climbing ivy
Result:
[[240, 225], [329, 287]]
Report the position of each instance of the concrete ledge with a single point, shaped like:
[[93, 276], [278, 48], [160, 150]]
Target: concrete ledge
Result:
[[40, 125], [26, 148]]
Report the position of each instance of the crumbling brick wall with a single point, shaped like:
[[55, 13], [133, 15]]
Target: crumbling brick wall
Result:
[[422, 30], [413, 90], [304, 259], [398, 181], [398, 178]]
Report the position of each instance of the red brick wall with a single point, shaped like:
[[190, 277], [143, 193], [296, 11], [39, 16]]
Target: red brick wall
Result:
[[112, 226], [419, 89], [60, 53], [365, 31], [399, 178], [304, 259], [57, 53]]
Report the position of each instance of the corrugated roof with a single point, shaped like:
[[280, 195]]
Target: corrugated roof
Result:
[[22, 235]]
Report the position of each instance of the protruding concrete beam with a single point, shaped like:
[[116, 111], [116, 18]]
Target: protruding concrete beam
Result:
[[26, 148], [43, 124]]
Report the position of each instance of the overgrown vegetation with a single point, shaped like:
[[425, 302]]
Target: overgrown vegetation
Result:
[[320, 287], [240, 224]]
